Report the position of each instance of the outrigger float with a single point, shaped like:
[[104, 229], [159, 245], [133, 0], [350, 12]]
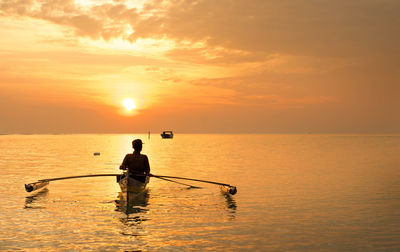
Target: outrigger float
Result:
[[36, 186]]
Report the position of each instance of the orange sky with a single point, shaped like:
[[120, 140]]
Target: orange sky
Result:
[[200, 66]]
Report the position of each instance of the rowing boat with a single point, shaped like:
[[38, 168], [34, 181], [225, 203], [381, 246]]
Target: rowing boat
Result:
[[167, 134], [131, 185]]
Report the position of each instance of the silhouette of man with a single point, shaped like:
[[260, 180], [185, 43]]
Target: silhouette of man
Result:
[[137, 164]]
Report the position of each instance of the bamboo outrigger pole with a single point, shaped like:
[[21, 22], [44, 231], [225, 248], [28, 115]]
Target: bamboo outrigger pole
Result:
[[44, 182]]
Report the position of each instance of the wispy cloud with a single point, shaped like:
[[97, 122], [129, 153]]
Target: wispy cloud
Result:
[[265, 27]]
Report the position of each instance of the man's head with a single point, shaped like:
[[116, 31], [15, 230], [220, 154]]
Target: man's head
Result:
[[137, 145]]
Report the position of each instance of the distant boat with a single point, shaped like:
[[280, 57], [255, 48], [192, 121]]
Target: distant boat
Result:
[[167, 134], [96, 154]]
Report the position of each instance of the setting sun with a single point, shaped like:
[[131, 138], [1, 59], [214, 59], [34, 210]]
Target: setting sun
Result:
[[129, 104]]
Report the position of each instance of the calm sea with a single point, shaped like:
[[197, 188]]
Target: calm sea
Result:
[[295, 193]]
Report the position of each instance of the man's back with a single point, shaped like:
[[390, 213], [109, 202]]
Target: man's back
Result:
[[137, 164]]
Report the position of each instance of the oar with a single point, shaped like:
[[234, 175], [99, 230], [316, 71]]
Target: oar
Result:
[[232, 189]]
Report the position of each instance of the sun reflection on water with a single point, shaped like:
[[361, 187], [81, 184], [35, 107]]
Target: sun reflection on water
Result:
[[285, 194], [134, 209]]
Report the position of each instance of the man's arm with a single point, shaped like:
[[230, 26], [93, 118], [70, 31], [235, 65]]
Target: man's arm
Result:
[[146, 165], [124, 163]]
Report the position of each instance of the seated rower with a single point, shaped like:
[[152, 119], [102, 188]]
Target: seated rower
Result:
[[137, 164]]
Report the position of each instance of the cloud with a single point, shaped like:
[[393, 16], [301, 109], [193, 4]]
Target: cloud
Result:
[[108, 20], [266, 27], [271, 36], [248, 56], [290, 27]]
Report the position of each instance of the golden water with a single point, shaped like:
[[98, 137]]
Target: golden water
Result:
[[295, 192]]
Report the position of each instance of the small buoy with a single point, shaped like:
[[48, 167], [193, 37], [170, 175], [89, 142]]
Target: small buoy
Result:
[[96, 154]]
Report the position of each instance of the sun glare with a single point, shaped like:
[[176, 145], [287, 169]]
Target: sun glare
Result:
[[129, 104]]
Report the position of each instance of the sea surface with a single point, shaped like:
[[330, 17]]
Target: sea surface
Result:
[[295, 193]]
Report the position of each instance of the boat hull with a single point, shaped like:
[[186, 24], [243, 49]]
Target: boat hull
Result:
[[166, 136], [131, 185]]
